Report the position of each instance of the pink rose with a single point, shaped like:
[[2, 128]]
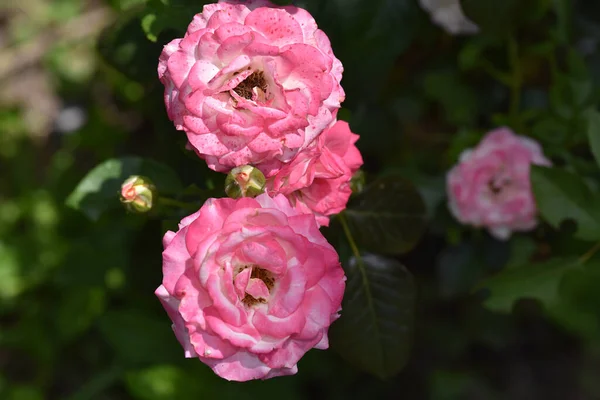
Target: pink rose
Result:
[[490, 186], [250, 285], [317, 180], [251, 83]]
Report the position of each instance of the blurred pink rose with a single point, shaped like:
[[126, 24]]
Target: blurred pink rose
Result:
[[490, 186], [251, 83], [317, 180], [250, 285]]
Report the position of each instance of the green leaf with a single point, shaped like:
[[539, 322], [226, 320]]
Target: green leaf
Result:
[[579, 308], [570, 95], [388, 216], [12, 281], [374, 332], [562, 195], [538, 281], [148, 21], [169, 14], [522, 249], [78, 309], [166, 382], [594, 134], [138, 338], [99, 190], [494, 16]]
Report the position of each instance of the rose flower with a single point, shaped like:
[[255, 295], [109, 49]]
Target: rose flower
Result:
[[490, 186], [251, 83], [317, 180], [251, 285]]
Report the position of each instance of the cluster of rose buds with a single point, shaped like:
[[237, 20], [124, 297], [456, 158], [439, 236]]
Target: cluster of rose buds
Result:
[[250, 283]]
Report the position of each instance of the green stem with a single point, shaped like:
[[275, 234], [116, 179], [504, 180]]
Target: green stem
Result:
[[361, 268], [176, 203], [353, 246], [589, 254]]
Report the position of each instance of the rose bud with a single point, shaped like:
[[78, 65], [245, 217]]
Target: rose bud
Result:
[[245, 181], [138, 194]]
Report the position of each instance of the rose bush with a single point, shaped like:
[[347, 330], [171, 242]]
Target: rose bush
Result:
[[490, 186], [250, 285], [251, 83], [317, 180]]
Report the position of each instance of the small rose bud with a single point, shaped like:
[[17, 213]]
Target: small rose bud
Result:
[[245, 181], [357, 183], [138, 194]]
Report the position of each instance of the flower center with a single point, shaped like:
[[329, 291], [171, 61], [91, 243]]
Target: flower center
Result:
[[495, 186], [263, 275], [246, 87]]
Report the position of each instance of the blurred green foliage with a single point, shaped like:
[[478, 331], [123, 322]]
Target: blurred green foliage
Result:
[[492, 320]]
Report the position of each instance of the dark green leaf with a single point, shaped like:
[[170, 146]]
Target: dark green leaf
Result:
[[538, 281], [139, 338], [594, 134], [570, 95], [78, 308], [522, 249], [562, 195], [579, 308], [123, 45], [98, 383], [99, 190], [374, 332], [388, 216]]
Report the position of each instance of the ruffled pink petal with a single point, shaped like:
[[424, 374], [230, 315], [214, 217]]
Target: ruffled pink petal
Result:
[[257, 289], [277, 26], [288, 294], [241, 366], [210, 220], [241, 282]]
